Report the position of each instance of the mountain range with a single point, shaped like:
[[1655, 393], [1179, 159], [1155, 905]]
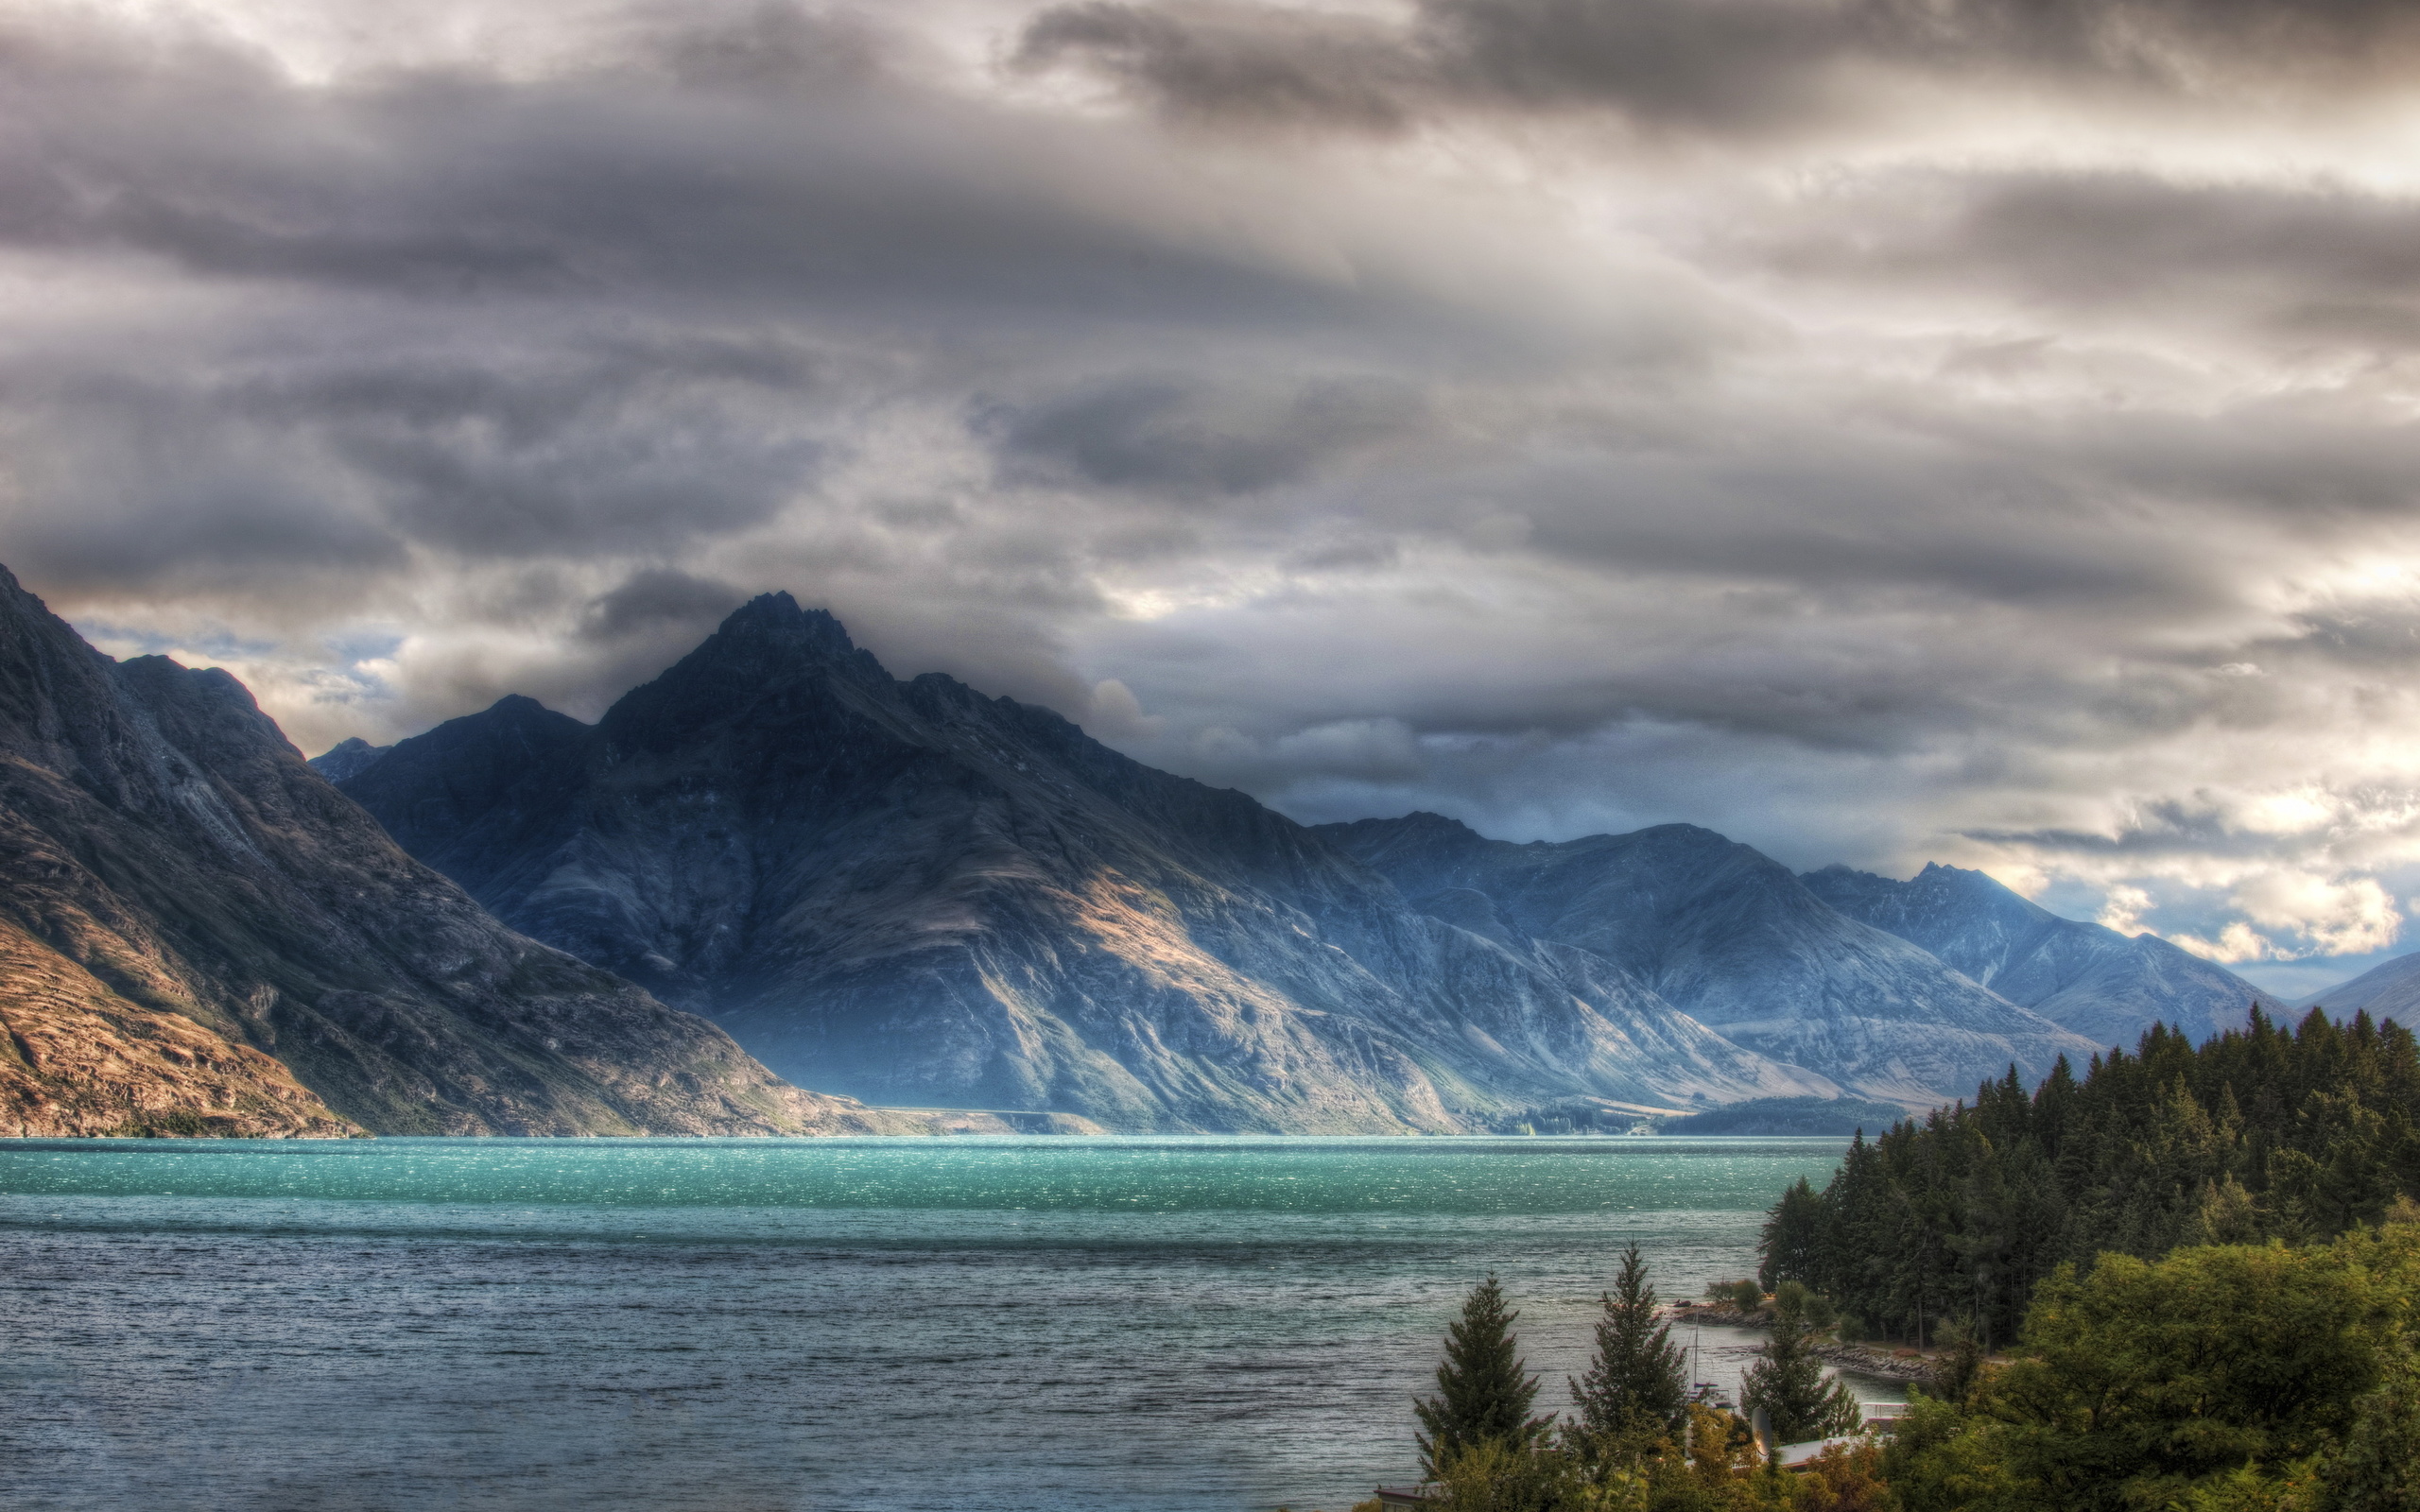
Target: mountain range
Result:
[[915, 894], [908, 892], [776, 860], [1728, 936]]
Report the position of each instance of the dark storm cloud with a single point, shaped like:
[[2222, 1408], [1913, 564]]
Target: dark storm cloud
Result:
[[657, 598], [1156, 431], [567, 454], [136, 480], [560, 451], [447, 184], [2292, 262], [1714, 65], [1835, 517], [1224, 62], [1719, 61], [767, 48], [1820, 454]]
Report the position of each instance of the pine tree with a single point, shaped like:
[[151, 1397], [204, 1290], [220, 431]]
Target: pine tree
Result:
[[1793, 1240], [1788, 1381], [1637, 1380], [1481, 1393]]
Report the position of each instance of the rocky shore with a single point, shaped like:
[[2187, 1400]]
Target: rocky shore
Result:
[[1887, 1361]]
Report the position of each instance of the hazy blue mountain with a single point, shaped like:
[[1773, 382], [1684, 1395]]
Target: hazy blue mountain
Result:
[[2087, 977], [912, 893], [1730, 936], [2389, 991], [196, 928]]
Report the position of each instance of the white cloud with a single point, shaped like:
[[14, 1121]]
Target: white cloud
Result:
[[1116, 716], [2352, 916], [2236, 944], [2123, 907]]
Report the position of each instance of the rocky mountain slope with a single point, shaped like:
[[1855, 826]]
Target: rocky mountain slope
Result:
[[78, 1059], [916, 894], [2085, 977], [2387, 991], [199, 933], [1730, 936]]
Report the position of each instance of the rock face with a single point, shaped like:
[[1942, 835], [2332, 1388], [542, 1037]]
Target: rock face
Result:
[[2085, 977], [196, 927], [1731, 937], [918, 895], [2389, 991], [78, 1058]]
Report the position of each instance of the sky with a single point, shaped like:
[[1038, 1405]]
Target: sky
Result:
[[1884, 431]]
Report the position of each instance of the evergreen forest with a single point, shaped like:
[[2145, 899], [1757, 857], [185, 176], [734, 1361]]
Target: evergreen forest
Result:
[[2298, 1134]]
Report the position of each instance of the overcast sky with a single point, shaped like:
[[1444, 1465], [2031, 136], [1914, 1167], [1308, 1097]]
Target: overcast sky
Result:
[[1880, 430]]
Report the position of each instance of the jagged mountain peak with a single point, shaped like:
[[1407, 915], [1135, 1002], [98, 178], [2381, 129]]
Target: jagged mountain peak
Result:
[[1981, 884], [777, 617], [346, 757], [764, 656], [1935, 890], [1676, 832], [1418, 829]]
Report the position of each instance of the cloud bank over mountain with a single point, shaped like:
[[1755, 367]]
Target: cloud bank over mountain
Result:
[[1977, 432]]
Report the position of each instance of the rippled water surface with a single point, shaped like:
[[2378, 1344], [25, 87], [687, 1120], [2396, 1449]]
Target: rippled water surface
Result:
[[1148, 1325]]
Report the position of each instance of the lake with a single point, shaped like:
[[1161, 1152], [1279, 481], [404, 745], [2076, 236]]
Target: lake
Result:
[[1045, 1325]]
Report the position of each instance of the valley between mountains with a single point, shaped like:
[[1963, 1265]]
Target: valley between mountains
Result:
[[776, 866]]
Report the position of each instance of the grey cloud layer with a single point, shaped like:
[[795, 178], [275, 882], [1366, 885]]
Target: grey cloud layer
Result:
[[1567, 414], [1736, 66]]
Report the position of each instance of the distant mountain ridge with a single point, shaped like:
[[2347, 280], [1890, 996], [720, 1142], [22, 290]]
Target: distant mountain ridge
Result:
[[915, 894], [2389, 990], [2107, 986], [1730, 936], [199, 935], [345, 758]]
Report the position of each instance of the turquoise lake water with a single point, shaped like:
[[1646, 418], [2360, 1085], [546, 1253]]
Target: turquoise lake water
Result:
[[1119, 1325]]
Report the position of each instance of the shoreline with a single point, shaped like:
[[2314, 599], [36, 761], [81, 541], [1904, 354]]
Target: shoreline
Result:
[[1883, 1362]]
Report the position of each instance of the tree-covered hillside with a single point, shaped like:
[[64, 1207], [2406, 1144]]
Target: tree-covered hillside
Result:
[[2264, 1133]]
